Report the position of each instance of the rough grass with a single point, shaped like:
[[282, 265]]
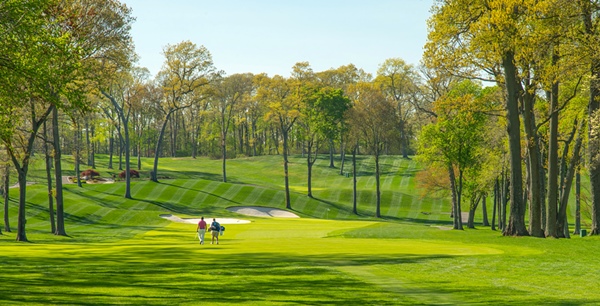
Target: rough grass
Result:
[[121, 252]]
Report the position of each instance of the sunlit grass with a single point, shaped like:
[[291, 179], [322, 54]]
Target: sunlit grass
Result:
[[119, 251]]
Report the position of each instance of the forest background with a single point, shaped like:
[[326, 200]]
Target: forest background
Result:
[[503, 106]]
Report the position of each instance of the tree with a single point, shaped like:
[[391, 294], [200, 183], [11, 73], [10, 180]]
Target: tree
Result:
[[126, 88], [4, 187], [454, 142], [230, 92], [283, 112], [374, 118], [342, 78], [322, 115], [499, 39], [399, 81], [50, 50], [187, 71], [589, 41]]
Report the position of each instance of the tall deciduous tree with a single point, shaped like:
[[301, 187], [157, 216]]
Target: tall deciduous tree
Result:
[[374, 118], [230, 92], [322, 115], [454, 142], [283, 112], [399, 81], [51, 51], [187, 71], [127, 86], [498, 38], [590, 42]]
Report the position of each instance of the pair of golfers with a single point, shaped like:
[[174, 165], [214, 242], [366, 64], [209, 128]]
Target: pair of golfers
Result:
[[215, 229]]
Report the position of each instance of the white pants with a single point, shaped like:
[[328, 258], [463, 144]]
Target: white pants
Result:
[[201, 233]]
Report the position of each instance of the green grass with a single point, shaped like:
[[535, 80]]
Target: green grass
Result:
[[119, 251]]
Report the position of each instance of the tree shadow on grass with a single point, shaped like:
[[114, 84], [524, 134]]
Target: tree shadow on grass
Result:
[[339, 207], [204, 192], [135, 274], [418, 220]]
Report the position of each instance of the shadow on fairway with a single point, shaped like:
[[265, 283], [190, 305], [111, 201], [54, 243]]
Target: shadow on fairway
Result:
[[135, 274]]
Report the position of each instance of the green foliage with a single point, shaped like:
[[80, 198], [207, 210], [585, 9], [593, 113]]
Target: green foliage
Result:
[[458, 135], [325, 109]]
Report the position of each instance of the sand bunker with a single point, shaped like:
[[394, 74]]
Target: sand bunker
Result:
[[258, 211], [208, 220]]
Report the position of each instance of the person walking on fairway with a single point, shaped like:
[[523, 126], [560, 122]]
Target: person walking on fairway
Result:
[[215, 228], [201, 229]]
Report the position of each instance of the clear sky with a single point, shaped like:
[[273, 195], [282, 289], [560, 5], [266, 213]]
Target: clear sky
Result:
[[272, 35]]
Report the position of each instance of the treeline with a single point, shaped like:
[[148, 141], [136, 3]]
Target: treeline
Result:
[[543, 57], [69, 83]]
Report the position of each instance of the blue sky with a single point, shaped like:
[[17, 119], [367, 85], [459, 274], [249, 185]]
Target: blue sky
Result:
[[272, 35]]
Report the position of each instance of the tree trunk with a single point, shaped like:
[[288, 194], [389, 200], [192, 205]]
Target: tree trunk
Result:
[[111, 148], [254, 136], [195, 133], [139, 155], [60, 216], [533, 164], [154, 173], [354, 172], [377, 184], [310, 161], [496, 204], [93, 147], [504, 200], [77, 154], [403, 139], [288, 203], [562, 227], [6, 196], [455, 210], [516, 223], [120, 147], [127, 157], [224, 156], [173, 134], [88, 144], [342, 155], [577, 201], [48, 160], [331, 164], [485, 222], [22, 177], [552, 209], [310, 165], [472, 210], [593, 147]]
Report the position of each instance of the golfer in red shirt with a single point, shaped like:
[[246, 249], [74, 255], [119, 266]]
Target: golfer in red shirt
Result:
[[201, 230]]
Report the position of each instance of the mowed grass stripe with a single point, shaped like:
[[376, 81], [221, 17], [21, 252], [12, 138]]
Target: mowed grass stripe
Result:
[[242, 194], [154, 191], [391, 175], [253, 197], [394, 205], [232, 192], [187, 194], [211, 187], [272, 198], [407, 175], [415, 208]]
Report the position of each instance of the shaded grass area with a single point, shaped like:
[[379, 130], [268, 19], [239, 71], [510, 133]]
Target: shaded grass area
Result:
[[302, 261], [119, 251]]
